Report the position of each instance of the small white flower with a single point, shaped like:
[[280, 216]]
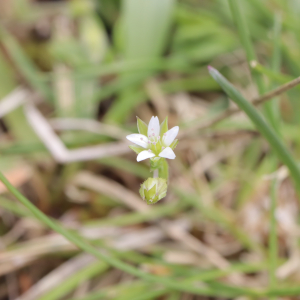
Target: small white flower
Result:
[[154, 140]]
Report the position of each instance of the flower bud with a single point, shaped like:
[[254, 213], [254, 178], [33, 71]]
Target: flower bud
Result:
[[153, 189]]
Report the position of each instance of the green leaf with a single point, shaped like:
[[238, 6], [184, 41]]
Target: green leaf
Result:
[[262, 126], [142, 127], [136, 149], [164, 126]]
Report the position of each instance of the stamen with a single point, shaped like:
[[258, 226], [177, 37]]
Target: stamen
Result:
[[165, 134], [153, 134], [163, 147], [149, 142], [141, 139], [149, 150], [152, 128], [159, 137], [154, 143]]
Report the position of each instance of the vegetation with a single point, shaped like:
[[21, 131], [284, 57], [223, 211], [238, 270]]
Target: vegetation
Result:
[[73, 77]]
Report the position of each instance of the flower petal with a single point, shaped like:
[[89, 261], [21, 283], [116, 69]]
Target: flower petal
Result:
[[144, 155], [170, 136], [138, 139], [167, 153], [153, 127]]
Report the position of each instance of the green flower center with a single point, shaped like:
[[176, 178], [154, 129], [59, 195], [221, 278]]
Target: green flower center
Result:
[[155, 145]]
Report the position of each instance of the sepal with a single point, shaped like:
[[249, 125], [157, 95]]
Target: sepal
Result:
[[136, 149], [142, 127], [164, 126], [153, 189], [174, 144], [154, 163]]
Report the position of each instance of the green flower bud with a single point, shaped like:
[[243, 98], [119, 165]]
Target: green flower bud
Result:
[[153, 189]]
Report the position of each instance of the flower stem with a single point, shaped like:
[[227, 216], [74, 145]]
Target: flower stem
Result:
[[155, 173], [163, 170]]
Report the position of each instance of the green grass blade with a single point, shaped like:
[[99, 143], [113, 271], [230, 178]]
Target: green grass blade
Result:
[[25, 66], [263, 127], [84, 245], [245, 38], [273, 105], [145, 25]]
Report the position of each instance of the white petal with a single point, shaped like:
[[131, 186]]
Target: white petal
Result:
[[153, 127], [170, 136], [144, 155], [138, 139], [167, 153]]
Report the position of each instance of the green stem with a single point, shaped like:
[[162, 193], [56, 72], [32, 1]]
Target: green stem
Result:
[[84, 245], [163, 171], [263, 127], [245, 38], [239, 18], [275, 117]]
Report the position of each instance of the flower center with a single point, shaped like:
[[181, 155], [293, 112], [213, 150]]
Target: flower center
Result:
[[154, 144]]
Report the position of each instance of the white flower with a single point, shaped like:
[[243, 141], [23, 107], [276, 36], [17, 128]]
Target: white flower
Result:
[[154, 140]]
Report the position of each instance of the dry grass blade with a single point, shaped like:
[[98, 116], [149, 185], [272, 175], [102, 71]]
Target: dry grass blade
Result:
[[89, 125], [108, 187], [212, 158], [57, 276], [13, 100], [58, 150], [115, 190], [17, 176], [122, 239]]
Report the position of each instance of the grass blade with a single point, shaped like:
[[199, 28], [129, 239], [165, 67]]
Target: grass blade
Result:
[[251, 57], [263, 127], [145, 28], [84, 245]]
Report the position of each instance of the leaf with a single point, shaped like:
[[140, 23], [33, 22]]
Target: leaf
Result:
[[142, 127], [262, 126]]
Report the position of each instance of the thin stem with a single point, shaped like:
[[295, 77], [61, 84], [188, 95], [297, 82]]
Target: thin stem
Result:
[[263, 127], [240, 20], [245, 38], [155, 173], [273, 105], [163, 171]]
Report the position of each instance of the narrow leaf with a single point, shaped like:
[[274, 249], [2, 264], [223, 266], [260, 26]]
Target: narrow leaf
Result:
[[263, 127]]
